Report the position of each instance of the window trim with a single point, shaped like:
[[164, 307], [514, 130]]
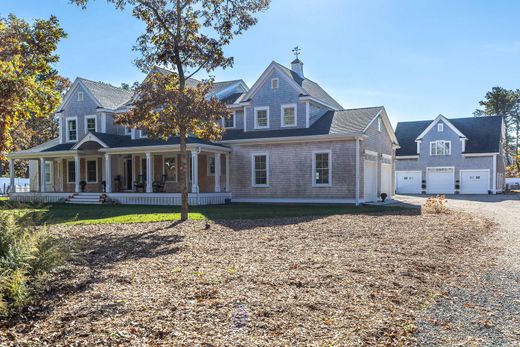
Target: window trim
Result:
[[50, 171], [440, 127], [176, 167], [282, 109], [128, 131], [436, 142], [208, 157], [86, 171], [234, 121], [277, 83], [67, 132], [75, 173], [253, 169], [255, 116], [379, 127], [94, 117], [313, 174], [81, 96]]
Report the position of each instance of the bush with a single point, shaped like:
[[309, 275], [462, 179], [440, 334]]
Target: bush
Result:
[[436, 204], [27, 255]]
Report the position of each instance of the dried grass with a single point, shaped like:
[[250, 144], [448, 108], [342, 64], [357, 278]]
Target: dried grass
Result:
[[436, 204], [334, 281]]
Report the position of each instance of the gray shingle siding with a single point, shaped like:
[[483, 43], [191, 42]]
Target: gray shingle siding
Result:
[[79, 109]]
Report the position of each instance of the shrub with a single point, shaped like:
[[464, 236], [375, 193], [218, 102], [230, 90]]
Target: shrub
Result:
[[27, 255], [436, 204]]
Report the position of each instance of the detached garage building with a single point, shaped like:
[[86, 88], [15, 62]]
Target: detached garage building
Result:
[[455, 156]]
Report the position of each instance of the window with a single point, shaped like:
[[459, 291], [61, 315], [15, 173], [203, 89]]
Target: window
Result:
[[275, 83], [128, 131], [170, 169], [261, 117], [260, 170], [71, 171], [144, 134], [211, 166], [72, 134], [440, 148], [440, 127], [230, 122], [321, 169], [379, 124], [80, 96], [288, 115], [90, 124], [92, 171], [48, 173]]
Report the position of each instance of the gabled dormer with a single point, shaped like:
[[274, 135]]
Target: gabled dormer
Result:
[[440, 139]]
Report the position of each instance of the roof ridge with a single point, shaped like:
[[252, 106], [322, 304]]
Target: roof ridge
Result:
[[358, 108], [105, 84], [450, 119]]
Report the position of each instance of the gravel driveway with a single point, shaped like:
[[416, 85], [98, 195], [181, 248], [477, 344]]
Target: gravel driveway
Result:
[[485, 311]]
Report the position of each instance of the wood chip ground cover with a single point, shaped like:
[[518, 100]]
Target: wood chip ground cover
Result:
[[333, 281]]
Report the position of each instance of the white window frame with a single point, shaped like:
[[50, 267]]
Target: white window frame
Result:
[[440, 127], [86, 122], [253, 171], [273, 80], [283, 108], [81, 96], [263, 108], [437, 142], [128, 131], [48, 170], [314, 153], [142, 134], [208, 160], [174, 157], [379, 127], [86, 171], [67, 132], [75, 173], [234, 121]]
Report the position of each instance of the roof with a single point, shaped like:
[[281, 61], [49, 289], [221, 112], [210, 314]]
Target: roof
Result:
[[108, 96], [310, 87], [345, 122], [483, 134]]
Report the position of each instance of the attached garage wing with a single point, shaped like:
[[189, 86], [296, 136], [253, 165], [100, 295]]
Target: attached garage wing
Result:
[[408, 182]]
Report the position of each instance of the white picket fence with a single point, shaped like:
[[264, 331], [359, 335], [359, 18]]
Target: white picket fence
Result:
[[23, 185]]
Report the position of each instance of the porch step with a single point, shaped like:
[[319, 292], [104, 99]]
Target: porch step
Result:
[[86, 198]]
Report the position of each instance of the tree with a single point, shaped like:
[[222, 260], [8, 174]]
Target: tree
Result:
[[186, 36], [27, 79], [506, 104]]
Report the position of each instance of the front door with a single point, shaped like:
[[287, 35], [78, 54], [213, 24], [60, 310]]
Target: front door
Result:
[[128, 174]]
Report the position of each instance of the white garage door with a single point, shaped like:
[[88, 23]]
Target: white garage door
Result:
[[408, 182], [370, 180], [474, 181], [386, 179], [441, 180]]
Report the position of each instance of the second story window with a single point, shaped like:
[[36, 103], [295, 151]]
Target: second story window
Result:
[[230, 122], [288, 115], [440, 148], [275, 83], [90, 124], [80, 96], [261, 117], [128, 131], [440, 127], [72, 134]]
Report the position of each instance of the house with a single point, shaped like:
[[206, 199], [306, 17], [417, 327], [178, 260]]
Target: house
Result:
[[450, 156], [288, 141]]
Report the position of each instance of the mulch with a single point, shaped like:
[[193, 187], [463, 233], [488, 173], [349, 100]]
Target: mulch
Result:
[[324, 281]]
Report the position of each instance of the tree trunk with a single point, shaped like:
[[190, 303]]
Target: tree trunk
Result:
[[183, 176], [516, 157]]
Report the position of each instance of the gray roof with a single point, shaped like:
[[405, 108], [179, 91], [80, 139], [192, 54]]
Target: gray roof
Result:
[[108, 96], [483, 133], [310, 87]]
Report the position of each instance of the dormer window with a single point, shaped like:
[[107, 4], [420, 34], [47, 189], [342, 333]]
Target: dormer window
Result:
[[275, 83], [230, 122], [80, 96], [128, 131], [440, 147], [288, 115], [440, 127], [379, 127], [261, 117]]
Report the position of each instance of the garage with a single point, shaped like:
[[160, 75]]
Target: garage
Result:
[[408, 182], [386, 179], [440, 180], [370, 185], [474, 181]]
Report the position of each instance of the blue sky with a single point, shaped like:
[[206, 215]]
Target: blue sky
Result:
[[417, 58]]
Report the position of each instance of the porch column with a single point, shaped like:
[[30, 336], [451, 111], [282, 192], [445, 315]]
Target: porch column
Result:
[[77, 170], [42, 175], [149, 173], [228, 179], [195, 172], [108, 173], [218, 171], [12, 187]]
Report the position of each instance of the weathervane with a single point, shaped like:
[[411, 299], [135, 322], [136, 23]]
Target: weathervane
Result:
[[296, 51]]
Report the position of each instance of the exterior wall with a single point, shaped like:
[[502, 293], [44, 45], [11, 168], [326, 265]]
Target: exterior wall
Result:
[[290, 171], [79, 109], [239, 121]]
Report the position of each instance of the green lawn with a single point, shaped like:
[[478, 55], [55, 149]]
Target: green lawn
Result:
[[105, 214]]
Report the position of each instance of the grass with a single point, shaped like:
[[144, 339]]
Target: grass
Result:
[[108, 214]]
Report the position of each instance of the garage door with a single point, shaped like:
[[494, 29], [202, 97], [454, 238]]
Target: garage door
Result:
[[370, 180], [441, 180], [386, 179], [408, 182], [474, 181]]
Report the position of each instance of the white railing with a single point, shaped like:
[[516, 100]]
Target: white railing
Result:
[[168, 199], [48, 198]]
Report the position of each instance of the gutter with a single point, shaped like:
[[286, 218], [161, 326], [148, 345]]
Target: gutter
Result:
[[303, 138]]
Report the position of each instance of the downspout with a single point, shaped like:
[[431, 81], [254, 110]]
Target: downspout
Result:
[[494, 185], [357, 172]]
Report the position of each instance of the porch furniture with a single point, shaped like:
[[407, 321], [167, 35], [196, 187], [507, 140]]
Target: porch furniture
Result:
[[140, 183], [158, 186]]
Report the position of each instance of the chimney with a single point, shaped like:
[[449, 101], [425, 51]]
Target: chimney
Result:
[[297, 66]]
